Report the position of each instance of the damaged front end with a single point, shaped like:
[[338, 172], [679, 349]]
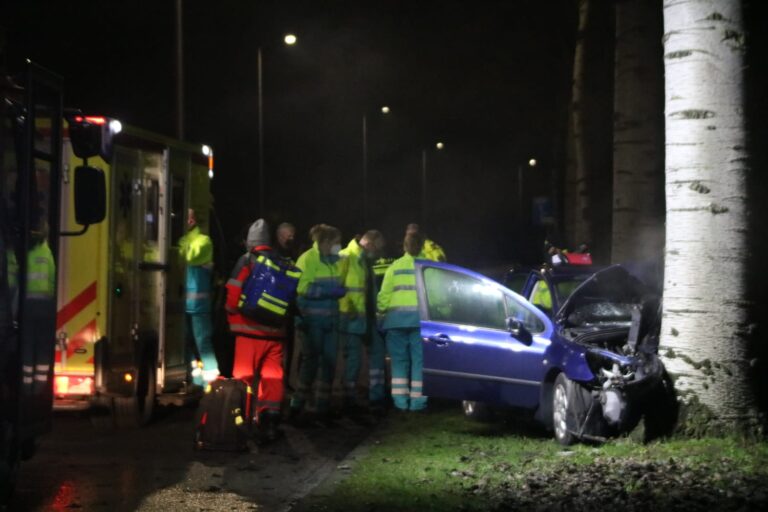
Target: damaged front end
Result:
[[615, 320]]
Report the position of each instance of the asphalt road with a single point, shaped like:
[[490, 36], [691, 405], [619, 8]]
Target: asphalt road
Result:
[[79, 467]]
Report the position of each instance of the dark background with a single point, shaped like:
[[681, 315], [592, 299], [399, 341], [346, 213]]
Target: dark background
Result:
[[491, 79]]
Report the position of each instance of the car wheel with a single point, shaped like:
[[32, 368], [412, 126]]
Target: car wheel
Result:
[[476, 410], [562, 415]]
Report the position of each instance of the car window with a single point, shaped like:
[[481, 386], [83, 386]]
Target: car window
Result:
[[457, 298], [521, 313], [515, 281], [566, 287]]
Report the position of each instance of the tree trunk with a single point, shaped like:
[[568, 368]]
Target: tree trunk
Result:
[[577, 226], [638, 134], [588, 176], [703, 328]]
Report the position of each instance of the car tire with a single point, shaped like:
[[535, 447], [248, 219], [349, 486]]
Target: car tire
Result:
[[661, 410], [477, 411], [563, 421]]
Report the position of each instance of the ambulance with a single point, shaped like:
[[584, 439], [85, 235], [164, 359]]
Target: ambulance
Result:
[[120, 323]]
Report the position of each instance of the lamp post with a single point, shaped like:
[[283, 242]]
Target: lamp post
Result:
[[384, 110], [289, 40], [531, 163], [438, 146]]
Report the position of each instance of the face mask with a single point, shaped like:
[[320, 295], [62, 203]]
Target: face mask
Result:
[[335, 249]]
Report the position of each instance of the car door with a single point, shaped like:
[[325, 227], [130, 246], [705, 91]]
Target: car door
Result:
[[469, 354]]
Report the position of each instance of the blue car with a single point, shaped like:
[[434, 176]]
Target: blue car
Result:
[[587, 370]]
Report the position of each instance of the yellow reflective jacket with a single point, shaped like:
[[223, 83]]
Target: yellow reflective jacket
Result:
[[320, 284], [398, 300], [432, 251]]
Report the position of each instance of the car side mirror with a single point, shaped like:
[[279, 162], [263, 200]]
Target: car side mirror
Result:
[[519, 331]]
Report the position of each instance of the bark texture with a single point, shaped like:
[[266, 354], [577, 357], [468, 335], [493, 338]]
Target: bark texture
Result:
[[638, 134], [587, 195], [704, 332]]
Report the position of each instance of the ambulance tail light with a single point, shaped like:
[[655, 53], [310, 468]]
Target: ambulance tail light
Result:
[[92, 136], [72, 385]]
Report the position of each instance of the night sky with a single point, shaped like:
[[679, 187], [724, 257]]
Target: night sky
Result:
[[490, 79]]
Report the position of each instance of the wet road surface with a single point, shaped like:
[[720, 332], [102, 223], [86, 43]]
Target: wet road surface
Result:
[[79, 467]]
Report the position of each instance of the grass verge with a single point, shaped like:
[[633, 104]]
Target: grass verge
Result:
[[443, 461]]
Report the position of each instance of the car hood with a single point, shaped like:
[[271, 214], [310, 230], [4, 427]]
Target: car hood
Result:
[[606, 297]]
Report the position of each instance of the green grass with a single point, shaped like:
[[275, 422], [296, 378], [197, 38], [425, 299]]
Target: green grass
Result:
[[443, 461]]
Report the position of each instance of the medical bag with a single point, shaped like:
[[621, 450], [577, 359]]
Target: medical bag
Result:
[[269, 290]]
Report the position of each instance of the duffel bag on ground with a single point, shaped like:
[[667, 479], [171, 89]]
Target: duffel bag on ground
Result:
[[222, 416]]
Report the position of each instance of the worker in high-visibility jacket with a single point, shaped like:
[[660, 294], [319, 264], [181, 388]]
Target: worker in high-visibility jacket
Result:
[[398, 304], [431, 251], [320, 287], [39, 309], [358, 321], [196, 249], [258, 347]]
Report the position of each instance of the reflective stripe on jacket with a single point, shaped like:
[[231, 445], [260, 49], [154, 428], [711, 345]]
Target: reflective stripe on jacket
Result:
[[397, 300], [238, 323], [320, 285], [197, 251]]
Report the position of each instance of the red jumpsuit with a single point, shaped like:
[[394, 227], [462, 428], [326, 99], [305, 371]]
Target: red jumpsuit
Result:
[[258, 348]]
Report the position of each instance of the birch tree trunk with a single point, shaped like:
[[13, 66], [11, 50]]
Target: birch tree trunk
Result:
[[704, 336], [638, 134]]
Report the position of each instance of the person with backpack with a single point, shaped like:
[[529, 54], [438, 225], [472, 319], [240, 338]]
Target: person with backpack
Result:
[[258, 345], [320, 288]]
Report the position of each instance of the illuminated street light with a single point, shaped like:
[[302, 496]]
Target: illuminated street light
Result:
[[439, 147], [290, 40], [531, 164], [384, 110]]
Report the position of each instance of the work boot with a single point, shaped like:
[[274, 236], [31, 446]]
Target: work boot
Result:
[[268, 430]]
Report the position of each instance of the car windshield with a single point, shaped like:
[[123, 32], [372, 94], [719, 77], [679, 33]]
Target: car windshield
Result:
[[565, 285]]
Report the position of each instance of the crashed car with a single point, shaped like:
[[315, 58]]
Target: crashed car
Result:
[[587, 371]]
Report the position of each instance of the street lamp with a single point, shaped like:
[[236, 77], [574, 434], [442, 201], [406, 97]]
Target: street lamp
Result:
[[384, 110], [289, 40], [438, 146], [531, 164]]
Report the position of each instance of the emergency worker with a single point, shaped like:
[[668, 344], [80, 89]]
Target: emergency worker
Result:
[[39, 310], [398, 304], [258, 347], [431, 250], [320, 288], [358, 320], [196, 249], [286, 247]]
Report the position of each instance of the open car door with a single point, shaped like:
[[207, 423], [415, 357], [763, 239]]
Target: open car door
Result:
[[470, 352]]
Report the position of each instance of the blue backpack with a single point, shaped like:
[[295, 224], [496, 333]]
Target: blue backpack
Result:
[[269, 290]]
